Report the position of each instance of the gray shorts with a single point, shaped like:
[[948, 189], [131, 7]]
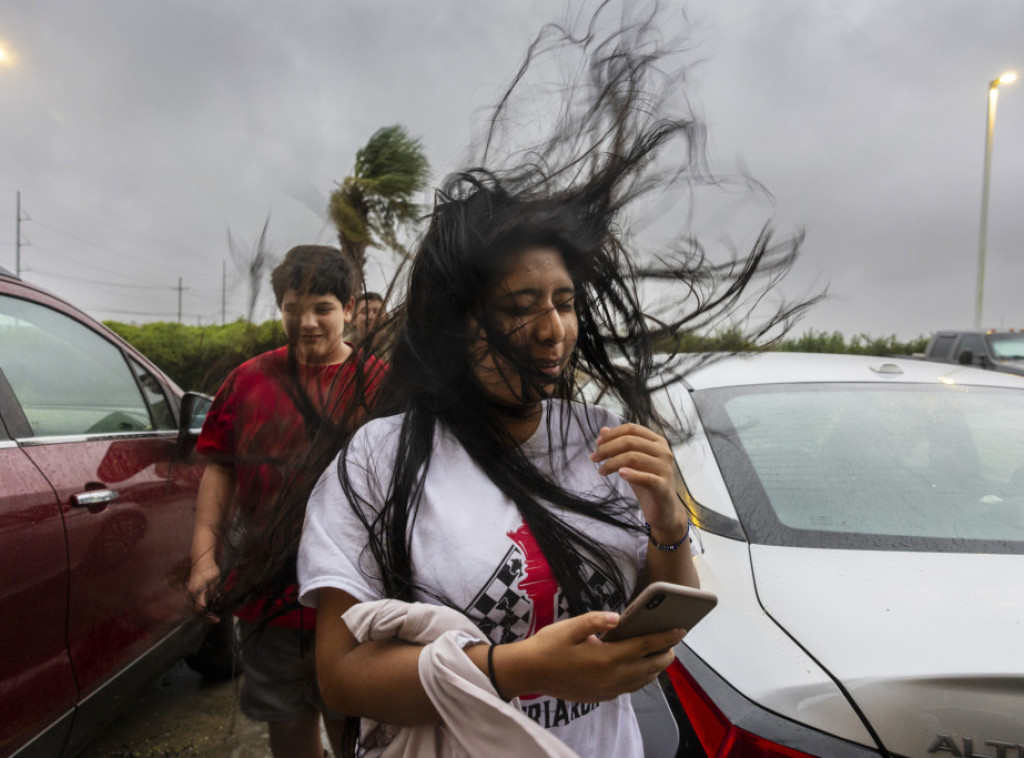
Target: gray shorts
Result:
[[278, 672]]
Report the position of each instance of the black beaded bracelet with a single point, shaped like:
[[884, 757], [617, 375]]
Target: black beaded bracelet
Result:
[[490, 672], [667, 548]]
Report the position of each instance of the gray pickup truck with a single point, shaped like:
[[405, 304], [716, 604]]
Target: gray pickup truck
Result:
[[995, 350]]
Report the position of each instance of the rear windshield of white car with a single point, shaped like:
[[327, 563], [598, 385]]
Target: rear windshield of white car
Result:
[[869, 466]]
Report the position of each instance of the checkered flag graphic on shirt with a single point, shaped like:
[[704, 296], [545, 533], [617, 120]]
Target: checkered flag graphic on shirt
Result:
[[503, 612], [500, 610]]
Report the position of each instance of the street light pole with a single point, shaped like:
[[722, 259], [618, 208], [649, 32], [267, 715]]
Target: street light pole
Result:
[[990, 123]]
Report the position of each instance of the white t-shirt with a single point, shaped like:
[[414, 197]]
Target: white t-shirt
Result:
[[471, 544]]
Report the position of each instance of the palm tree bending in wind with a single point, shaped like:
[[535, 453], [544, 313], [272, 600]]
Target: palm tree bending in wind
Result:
[[370, 206]]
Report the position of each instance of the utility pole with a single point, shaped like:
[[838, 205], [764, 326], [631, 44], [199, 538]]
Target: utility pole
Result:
[[17, 237], [223, 292], [18, 218], [179, 299]]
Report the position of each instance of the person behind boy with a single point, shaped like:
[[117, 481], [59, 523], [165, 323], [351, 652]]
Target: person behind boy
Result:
[[368, 317], [254, 438]]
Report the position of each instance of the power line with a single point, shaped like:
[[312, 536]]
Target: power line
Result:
[[94, 267], [162, 287], [134, 313], [97, 282], [132, 284], [90, 266], [74, 211], [105, 249], [165, 288], [209, 318], [102, 248]]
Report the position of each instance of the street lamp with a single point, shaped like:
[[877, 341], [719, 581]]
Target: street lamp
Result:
[[7, 56], [990, 122]]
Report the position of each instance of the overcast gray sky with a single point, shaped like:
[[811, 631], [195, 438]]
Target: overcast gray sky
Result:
[[139, 133]]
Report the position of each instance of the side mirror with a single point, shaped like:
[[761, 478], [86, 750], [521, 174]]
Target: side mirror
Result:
[[194, 407]]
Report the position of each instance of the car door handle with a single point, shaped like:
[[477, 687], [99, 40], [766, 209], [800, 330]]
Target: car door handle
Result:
[[93, 498]]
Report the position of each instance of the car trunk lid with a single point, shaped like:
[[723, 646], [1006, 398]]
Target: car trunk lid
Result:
[[927, 645]]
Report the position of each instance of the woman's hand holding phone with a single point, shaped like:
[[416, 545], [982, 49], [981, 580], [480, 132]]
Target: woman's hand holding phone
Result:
[[567, 660]]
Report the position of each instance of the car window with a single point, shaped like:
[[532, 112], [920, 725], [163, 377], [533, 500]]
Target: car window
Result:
[[932, 463], [67, 379], [943, 347], [974, 343], [1007, 346], [163, 418], [200, 408]]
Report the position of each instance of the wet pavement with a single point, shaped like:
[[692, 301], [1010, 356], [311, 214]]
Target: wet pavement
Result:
[[179, 715]]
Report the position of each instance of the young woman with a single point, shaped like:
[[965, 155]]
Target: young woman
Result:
[[491, 492]]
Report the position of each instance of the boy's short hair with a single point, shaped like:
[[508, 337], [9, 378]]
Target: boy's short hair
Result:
[[314, 270]]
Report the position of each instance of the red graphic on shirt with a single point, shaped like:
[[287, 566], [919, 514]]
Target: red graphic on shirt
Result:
[[538, 582]]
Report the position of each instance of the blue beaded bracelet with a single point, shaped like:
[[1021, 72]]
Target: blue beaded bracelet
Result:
[[667, 548]]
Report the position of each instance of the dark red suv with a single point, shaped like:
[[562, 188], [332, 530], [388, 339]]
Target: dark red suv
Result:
[[97, 497]]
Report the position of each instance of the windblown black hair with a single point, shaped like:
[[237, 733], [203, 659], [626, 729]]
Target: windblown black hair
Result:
[[622, 137]]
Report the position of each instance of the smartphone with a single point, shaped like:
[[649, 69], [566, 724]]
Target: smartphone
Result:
[[662, 606]]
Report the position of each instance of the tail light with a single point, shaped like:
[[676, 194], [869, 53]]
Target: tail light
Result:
[[717, 735]]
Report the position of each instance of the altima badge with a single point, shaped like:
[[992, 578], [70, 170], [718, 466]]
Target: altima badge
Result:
[[943, 743]]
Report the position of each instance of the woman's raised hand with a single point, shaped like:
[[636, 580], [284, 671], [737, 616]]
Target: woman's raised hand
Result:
[[644, 459]]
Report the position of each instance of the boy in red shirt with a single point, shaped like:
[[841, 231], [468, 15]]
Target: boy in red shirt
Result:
[[254, 438]]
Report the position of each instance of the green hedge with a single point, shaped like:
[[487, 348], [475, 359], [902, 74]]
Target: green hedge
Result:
[[200, 357], [861, 344], [732, 340]]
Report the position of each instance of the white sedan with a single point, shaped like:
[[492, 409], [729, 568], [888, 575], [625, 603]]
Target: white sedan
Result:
[[862, 523]]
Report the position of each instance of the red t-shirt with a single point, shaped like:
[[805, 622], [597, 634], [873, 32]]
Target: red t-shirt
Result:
[[256, 427]]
